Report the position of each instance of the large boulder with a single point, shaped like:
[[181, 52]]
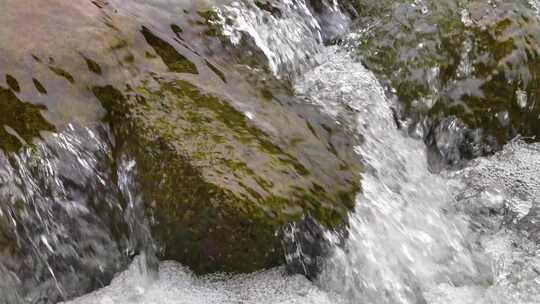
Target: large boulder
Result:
[[220, 188], [226, 156], [221, 164]]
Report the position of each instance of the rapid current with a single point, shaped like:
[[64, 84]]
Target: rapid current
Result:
[[415, 236]]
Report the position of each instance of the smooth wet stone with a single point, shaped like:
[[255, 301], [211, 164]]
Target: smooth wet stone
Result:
[[467, 61], [43, 49]]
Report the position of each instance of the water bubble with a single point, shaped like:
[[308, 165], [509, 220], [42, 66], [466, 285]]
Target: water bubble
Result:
[[466, 17], [503, 118], [521, 98]]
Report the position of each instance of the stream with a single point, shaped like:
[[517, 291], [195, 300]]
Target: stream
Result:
[[416, 235]]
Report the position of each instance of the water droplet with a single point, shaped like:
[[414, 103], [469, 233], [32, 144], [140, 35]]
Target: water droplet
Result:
[[503, 118], [250, 115]]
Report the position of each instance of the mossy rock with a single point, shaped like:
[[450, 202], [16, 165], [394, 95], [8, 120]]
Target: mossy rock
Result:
[[475, 61], [218, 187]]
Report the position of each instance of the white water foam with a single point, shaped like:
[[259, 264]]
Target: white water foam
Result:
[[401, 240], [177, 284], [289, 36], [501, 194]]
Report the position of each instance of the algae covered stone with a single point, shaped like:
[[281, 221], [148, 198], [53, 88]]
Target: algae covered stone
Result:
[[467, 67], [21, 121], [219, 188]]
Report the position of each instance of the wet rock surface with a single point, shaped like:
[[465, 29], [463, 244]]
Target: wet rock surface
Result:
[[106, 98], [451, 64], [220, 188]]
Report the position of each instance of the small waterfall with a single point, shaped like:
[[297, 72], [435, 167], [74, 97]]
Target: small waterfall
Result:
[[402, 237], [288, 33], [410, 239]]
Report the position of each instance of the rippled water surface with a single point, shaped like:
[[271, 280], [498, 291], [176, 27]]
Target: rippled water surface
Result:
[[416, 235]]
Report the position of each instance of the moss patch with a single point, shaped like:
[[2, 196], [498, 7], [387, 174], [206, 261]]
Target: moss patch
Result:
[[23, 118], [175, 61], [62, 73]]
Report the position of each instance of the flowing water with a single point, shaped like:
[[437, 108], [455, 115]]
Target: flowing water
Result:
[[466, 236]]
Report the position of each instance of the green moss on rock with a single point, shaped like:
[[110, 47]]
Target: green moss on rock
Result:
[[175, 61], [39, 87], [62, 73], [474, 60], [13, 83], [219, 187], [21, 121], [92, 65]]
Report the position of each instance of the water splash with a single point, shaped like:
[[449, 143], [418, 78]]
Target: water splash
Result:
[[535, 4], [288, 33], [401, 239], [177, 284], [499, 195]]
